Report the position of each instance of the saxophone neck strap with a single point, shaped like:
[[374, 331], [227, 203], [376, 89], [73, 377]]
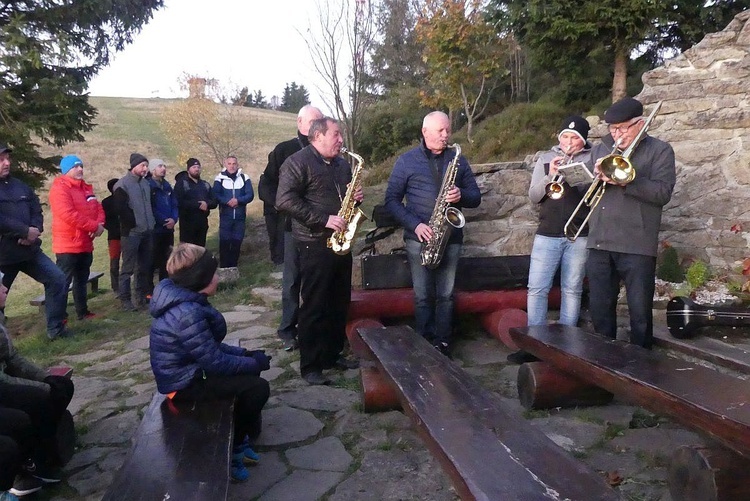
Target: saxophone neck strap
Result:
[[432, 159]]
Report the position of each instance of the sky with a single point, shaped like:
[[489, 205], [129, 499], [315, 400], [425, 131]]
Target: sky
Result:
[[240, 43]]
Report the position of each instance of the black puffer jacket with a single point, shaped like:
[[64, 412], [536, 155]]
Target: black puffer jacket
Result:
[[310, 190]]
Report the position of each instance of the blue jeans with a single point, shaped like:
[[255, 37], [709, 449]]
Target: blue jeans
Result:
[[43, 270], [433, 292], [290, 287], [605, 270], [547, 254]]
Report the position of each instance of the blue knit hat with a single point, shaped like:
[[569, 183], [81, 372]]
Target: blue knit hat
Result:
[[68, 162]]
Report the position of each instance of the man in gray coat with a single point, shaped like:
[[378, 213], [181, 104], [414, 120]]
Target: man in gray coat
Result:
[[132, 197], [624, 233]]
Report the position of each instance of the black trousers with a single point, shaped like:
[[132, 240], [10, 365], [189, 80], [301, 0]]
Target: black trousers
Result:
[[275, 226], [163, 242], [16, 444], [326, 294], [76, 268], [193, 231], [251, 394], [605, 270], [44, 409]]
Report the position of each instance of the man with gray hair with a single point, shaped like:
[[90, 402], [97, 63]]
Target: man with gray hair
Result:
[[417, 177], [280, 228]]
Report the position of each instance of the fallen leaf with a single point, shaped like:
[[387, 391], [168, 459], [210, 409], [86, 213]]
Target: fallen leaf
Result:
[[736, 228], [613, 478]]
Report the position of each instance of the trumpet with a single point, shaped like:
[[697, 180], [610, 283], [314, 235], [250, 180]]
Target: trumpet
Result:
[[616, 167], [555, 189]]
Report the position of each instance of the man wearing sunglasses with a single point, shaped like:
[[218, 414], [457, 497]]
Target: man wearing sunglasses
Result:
[[624, 226]]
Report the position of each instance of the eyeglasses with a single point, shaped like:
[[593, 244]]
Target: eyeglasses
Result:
[[622, 129]]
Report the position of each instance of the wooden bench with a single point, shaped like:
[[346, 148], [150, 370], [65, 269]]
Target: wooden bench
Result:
[[181, 451], [93, 279], [700, 398], [489, 451]]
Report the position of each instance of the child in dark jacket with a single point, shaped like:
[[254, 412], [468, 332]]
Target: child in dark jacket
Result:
[[112, 225], [188, 358]]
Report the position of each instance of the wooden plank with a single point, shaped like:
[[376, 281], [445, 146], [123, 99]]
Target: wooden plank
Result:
[[709, 349], [697, 397], [489, 452], [180, 452]]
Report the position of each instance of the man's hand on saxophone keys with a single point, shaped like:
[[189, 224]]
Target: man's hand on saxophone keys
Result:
[[359, 195], [423, 232], [453, 195], [336, 223]]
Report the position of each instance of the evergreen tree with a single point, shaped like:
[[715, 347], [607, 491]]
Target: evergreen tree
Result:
[[295, 97], [258, 100], [568, 35], [49, 51]]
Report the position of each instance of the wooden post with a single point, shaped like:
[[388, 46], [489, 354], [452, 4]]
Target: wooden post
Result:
[[355, 342], [377, 394], [499, 322], [542, 386], [708, 474]]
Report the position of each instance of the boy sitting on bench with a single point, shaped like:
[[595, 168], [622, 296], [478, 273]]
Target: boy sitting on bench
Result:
[[189, 360]]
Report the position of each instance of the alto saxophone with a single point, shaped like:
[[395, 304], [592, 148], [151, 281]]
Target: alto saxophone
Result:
[[444, 217], [341, 241]]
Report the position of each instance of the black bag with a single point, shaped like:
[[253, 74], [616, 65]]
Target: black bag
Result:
[[383, 217], [386, 271]]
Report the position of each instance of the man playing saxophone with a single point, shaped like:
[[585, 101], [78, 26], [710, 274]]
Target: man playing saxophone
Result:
[[417, 177], [312, 185], [624, 225]]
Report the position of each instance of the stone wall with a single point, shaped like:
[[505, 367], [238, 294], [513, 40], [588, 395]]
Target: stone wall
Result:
[[706, 119]]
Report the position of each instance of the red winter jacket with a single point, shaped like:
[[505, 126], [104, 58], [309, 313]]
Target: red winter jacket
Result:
[[76, 214]]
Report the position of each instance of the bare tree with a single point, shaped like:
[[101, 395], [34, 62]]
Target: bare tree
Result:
[[339, 42]]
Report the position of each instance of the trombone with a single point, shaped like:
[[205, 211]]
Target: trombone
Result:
[[616, 167]]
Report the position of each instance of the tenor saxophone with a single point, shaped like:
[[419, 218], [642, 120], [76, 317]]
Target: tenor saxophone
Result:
[[341, 241], [444, 217]]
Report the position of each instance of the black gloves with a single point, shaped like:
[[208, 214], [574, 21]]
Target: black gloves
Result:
[[263, 360]]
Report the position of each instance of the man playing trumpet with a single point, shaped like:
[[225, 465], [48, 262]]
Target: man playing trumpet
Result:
[[624, 225], [556, 201]]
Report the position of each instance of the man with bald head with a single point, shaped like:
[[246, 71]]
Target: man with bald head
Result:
[[280, 228], [417, 177]]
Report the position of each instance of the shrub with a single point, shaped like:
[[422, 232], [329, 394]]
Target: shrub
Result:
[[670, 269], [697, 274]]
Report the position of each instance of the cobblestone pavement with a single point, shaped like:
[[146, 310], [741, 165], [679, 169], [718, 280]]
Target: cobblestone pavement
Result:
[[318, 444]]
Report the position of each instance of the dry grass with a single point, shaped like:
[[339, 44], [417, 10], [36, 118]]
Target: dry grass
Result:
[[126, 125]]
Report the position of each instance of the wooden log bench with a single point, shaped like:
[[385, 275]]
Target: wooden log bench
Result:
[[93, 280], [499, 310], [697, 397], [181, 451], [489, 451]]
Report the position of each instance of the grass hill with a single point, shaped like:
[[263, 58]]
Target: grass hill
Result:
[[124, 126]]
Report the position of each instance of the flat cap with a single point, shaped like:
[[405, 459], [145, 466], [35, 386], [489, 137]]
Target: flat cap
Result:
[[623, 110]]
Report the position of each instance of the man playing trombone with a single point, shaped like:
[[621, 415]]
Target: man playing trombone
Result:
[[556, 201], [624, 225]]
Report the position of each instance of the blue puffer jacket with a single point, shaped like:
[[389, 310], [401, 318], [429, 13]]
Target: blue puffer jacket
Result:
[[227, 187], [412, 179], [186, 336]]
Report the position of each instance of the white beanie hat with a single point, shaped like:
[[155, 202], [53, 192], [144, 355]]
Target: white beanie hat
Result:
[[154, 163]]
